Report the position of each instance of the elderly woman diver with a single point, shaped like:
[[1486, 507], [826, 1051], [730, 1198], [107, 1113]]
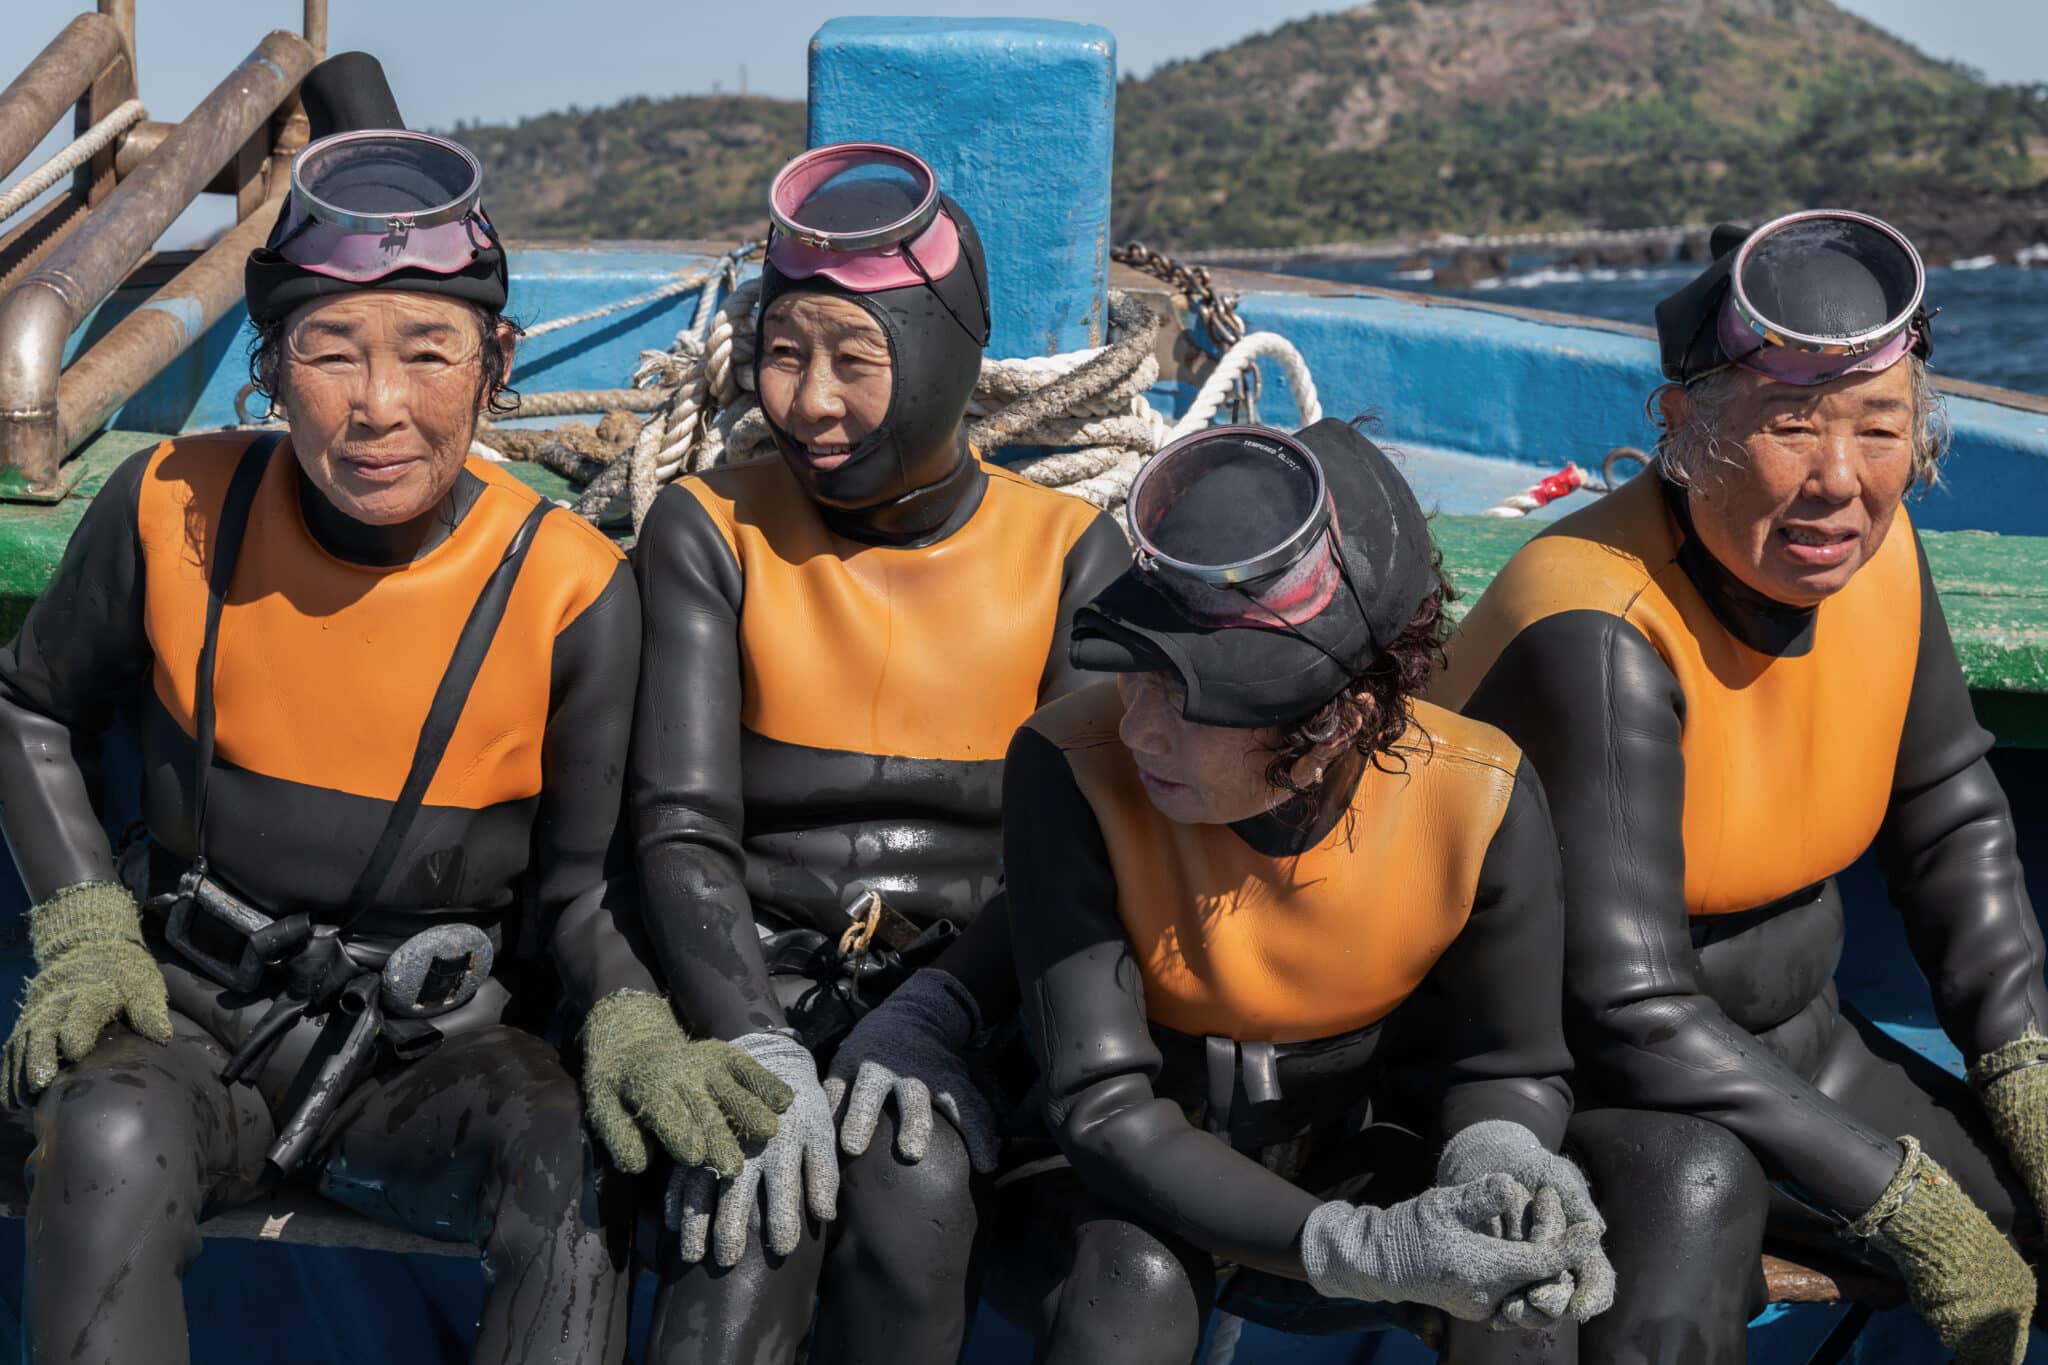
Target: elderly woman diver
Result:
[[384, 693], [1288, 940], [840, 641], [1734, 676]]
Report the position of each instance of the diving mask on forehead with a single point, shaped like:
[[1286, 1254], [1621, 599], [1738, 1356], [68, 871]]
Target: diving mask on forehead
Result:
[[367, 204], [1237, 527], [1814, 296], [864, 215]]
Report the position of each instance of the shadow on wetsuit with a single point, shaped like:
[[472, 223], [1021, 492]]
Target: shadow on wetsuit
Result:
[[835, 662], [1236, 1023], [333, 638], [1714, 758]]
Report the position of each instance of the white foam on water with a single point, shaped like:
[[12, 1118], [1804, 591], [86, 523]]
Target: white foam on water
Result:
[[2032, 255], [1974, 263]]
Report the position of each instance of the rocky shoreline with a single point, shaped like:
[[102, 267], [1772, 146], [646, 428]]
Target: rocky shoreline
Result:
[[2009, 228]]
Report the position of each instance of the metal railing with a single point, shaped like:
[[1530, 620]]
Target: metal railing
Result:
[[65, 259]]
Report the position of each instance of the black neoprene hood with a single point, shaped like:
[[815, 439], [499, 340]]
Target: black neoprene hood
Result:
[[934, 365]]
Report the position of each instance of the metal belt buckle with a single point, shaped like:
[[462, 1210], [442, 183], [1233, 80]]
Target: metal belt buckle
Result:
[[211, 929], [436, 970]]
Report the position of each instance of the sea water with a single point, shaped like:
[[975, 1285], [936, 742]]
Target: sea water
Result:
[[1990, 330]]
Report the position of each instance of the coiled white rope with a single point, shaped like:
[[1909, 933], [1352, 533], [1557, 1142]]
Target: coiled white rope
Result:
[[80, 150]]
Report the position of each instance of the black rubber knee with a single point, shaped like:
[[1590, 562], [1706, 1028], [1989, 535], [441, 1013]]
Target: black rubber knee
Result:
[[1130, 1297], [898, 1282], [753, 1313], [1685, 1202], [127, 1149]]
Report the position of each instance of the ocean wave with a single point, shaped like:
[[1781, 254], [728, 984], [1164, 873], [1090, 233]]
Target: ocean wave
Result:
[[1552, 274], [1974, 263]]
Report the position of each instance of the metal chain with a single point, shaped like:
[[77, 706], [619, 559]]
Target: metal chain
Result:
[[1216, 310]]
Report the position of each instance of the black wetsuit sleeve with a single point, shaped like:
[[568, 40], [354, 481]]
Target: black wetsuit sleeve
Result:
[[1091, 565], [683, 780], [1084, 1017], [1949, 853], [81, 653], [583, 761], [981, 959], [1502, 981], [1598, 712]]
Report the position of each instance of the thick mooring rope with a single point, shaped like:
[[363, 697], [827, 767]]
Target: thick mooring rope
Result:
[[80, 150]]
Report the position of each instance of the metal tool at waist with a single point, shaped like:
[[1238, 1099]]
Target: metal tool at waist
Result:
[[393, 996]]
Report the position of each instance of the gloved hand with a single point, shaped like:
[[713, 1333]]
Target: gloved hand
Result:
[[1963, 1276], [701, 1098], [910, 1047], [92, 969], [1586, 1287], [2014, 1087], [797, 1167], [1461, 1248]]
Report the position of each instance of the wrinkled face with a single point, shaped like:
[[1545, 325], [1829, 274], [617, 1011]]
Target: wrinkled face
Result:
[[1819, 476], [1199, 774], [825, 375], [382, 391]]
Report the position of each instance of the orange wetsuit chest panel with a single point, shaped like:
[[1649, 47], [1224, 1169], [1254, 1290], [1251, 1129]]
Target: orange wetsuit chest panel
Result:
[[1788, 760], [1235, 943], [326, 668], [935, 651]]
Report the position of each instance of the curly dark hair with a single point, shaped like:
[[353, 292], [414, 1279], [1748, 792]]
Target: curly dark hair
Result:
[[1381, 698], [266, 361]]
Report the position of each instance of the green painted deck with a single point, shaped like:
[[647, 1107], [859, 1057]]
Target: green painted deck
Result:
[[1995, 588]]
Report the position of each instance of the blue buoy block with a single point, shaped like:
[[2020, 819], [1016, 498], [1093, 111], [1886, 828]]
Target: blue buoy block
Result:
[[1017, 118]]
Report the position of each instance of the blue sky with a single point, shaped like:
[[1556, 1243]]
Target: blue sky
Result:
[[454, 59]]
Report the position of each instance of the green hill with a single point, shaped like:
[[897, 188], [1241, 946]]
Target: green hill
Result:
[[1414, 115]]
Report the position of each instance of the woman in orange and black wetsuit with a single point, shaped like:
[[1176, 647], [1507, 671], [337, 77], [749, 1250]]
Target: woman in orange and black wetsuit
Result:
[[1734, 675], [384, 694], [1277, 908], [840, 641]]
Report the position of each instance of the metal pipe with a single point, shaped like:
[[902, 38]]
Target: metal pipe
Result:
[[136, 348], [136, 144], [48, 86], [41, 313], [315, 27], [122, 12]]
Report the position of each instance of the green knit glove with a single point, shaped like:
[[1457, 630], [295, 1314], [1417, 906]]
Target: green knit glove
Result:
[[92, 970], [1963, 1276], [701, 1098], [2015, 1096]]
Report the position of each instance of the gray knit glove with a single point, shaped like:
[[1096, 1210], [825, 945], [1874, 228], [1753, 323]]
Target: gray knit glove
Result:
[[910, 1047], [1587, 1285], [1449, 1247], [1964, 1277], [92, 971], [794, 1169]]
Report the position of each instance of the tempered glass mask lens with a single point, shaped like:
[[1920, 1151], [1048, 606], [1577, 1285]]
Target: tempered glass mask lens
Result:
[[364, 180], [854, 196], [1235, 525], [1828, 280]]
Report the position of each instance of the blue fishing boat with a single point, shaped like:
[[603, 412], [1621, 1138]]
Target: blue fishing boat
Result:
[[1501, 416]]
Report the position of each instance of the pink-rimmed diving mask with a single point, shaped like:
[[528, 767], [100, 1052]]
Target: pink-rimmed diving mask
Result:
[[1817, 295], [367, 204], [864, 215], [1236, 526]]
